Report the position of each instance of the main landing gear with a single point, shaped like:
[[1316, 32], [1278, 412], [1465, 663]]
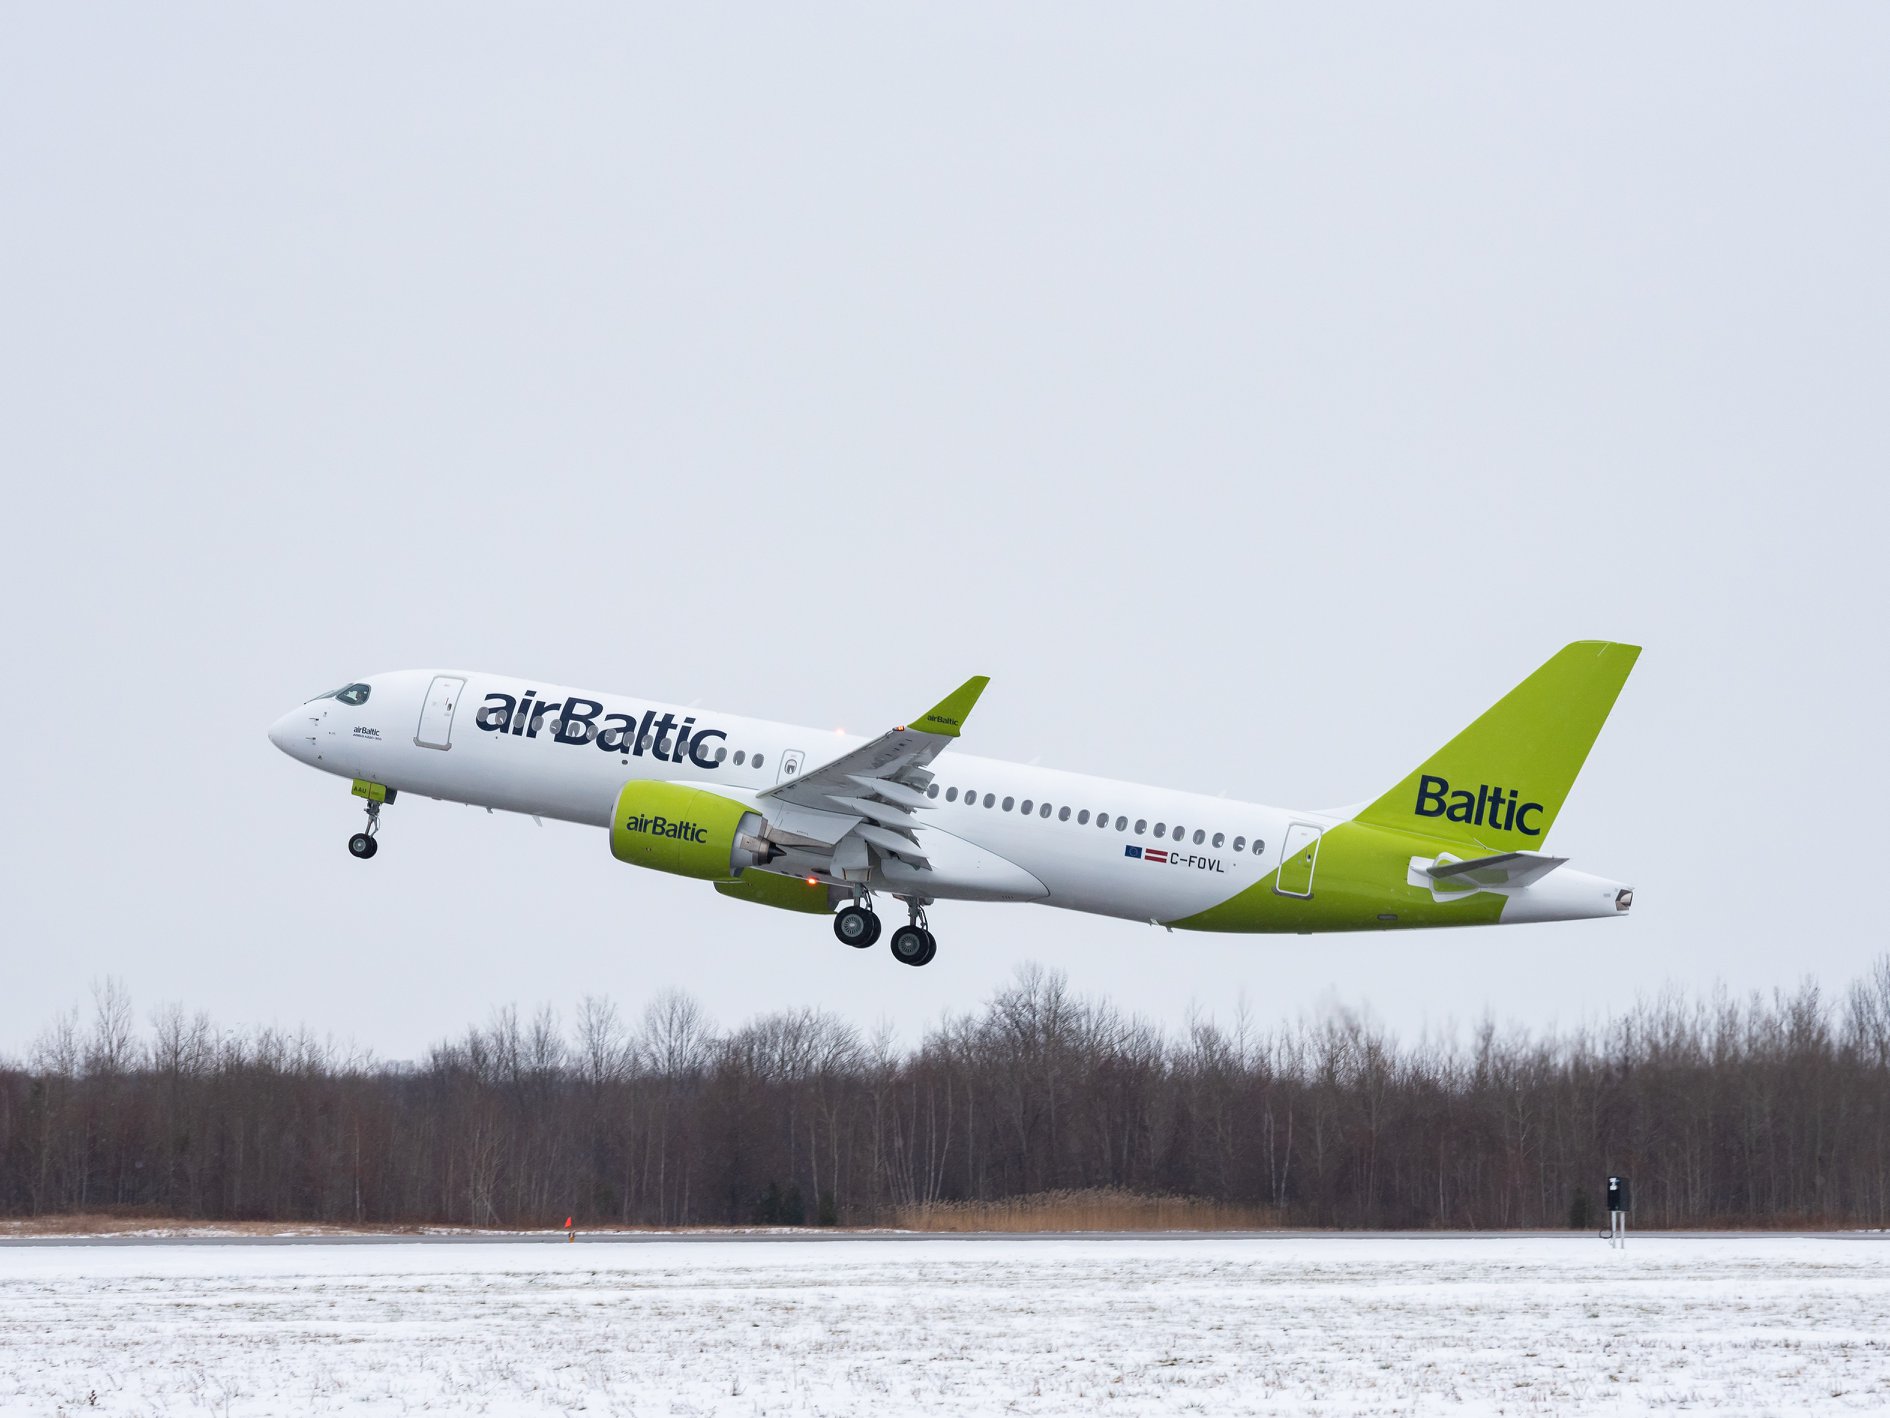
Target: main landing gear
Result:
[[364, 844], [912, 943], [858, 926]]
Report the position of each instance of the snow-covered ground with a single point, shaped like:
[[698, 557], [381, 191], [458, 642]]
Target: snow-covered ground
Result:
[[1293, 1325]]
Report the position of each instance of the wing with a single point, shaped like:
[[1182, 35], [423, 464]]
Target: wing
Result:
[[869, 799]]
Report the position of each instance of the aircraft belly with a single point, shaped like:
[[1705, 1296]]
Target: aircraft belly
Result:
[[960, 871], [1140, 889]]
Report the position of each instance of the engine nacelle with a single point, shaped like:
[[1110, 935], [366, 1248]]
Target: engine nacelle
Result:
[[676, 828]]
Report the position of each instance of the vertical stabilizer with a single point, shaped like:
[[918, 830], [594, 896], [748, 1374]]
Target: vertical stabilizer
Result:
[[1499, 784]]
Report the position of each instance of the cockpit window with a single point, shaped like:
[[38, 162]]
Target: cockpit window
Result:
[[347, 694]]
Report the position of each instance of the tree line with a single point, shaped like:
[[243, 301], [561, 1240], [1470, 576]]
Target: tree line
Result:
[[1767, 1110]]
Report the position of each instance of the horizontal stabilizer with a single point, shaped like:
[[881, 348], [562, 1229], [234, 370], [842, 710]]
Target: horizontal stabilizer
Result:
[[1506, 869]]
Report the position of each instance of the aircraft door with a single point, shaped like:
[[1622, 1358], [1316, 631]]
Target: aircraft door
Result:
[[790, 765], [1297, 860], [436, 715]]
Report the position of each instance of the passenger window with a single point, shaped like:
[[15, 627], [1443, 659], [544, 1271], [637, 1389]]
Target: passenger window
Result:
[[1009, 802], [757, 760], [1219, 837], [1082, 818], [1028, 806], [990, 799], [1199, 836], [1240, 844], [1122, 824], [1161, 829], [1180, 832], [741, 756], [1141, 826], [931, 790], [1259, 847], [721, 754], [951, 795], [1044, 811]]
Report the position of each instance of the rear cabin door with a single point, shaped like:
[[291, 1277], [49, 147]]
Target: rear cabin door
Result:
[[1301, 855], [436, 715]]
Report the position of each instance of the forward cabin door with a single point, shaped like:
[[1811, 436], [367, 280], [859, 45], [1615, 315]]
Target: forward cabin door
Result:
[[436, 716], [1300, 856]]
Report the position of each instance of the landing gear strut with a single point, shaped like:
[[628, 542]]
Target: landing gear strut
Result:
[[912, 944], [363, 844], [857, 925]]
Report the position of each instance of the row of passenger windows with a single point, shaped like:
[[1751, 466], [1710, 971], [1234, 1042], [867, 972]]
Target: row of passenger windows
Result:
[[1177, 832]]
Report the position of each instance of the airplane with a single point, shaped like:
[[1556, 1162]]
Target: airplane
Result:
[[778, 815]]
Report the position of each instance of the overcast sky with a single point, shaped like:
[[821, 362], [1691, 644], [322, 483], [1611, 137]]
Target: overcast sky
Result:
[[1256, 394]]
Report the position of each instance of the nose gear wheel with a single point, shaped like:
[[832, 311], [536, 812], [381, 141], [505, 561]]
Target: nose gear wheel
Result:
[[365, 844]]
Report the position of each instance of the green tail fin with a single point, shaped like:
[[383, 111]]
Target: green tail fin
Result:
[[1500, 783]]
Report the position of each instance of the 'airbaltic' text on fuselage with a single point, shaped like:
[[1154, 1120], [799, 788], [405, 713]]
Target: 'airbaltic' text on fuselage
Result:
[[581, 721]]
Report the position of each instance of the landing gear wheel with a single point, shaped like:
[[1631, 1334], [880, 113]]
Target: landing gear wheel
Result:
[[913, 945], [856, 926], [363, 844]]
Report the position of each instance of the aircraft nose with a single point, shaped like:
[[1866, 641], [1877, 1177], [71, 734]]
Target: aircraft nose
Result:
[[286, 730]]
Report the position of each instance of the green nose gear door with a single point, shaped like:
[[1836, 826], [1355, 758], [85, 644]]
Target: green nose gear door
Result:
[[1301, 855]]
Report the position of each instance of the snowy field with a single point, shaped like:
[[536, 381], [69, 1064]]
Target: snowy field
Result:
[[1289, 1325]]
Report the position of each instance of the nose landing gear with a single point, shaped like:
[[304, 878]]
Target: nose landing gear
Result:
[[365, 844]]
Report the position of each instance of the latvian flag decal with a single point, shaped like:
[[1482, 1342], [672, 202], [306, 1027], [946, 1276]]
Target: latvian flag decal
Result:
[[1148, 854]]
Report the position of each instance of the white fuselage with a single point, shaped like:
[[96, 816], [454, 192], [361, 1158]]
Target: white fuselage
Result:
[[993, 830]]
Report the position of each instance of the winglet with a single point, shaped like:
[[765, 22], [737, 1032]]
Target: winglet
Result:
[[947, 717]]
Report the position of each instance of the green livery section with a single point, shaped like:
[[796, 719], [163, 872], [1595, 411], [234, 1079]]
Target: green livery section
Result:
[[947, 717], [1349, 878], [784, 893], [678, 829], [1496, 787]]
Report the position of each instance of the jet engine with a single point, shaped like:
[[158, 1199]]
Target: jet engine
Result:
[[687, 831]]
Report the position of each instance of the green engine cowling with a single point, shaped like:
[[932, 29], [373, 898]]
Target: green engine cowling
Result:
[[686, 831], [784, 893]]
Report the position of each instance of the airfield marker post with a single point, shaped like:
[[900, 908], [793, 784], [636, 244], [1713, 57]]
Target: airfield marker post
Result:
[[1620, 1198]]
